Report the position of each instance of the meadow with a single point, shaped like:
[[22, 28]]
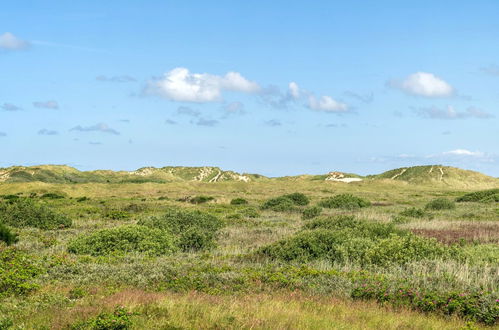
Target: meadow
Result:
[[287, 253]]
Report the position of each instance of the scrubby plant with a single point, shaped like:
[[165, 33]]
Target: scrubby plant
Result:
[[7, 236], [117, 214], [17, 272], [82, 199], [311, 212], [124, 239], [250, 212], [344, 201], [238, 201], [119, 319], [491, 195], [201, 199], [440, 204], [27, 213], [193, 230], [413, 212], [298, 198], [52, 196], [10, 197], [279, 204]]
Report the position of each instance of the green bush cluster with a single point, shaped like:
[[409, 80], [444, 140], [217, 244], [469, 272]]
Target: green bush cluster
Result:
[[238, 201], [27, 213], [119, 319], [193, 230], [413, 212], [117, 214], [344, 201], [52, 196], [7, 236], [17, 272], [346, 239], [484, 196], [124, 239], [311, 212], [478, 306], [440, 204], [201, 199], [285, 203]]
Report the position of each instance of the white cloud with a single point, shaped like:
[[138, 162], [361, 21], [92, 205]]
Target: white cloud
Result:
[[451, 113], [294, 90], [9, 41], [181, 85], [100, 127], [46, 104], [326, 103], [10, 107], [464, 152], [424, 84]]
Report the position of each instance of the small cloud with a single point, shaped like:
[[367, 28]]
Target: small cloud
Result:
[[186, 111], [126, 121], [10, 107], [101, 127], [45, 131], [326, 104], [423, 84], [46, 105], [95, 143], [446, 133], [451, 113], [170, 122], [181, 85], [3, 134], [365, 98], [464, 152], [207, 122], [273, 123], [234, 108], [492, 70], [8, 41], [116, 79]]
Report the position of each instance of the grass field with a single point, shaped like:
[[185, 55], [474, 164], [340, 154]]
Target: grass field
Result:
[[399, 262]]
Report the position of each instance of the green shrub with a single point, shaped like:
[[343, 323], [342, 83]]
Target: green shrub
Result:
[[117, 214], [82, 199], [352, 226], [6, 323], [17, 272], [491, 195], [250, 212], [193, 229], [279, 204], [119, 319], [311, 212], [10, 197], [7, 236], [121, 240], [238, 201], [52, 196], [26, 213], [413, 212], [344, 201], [440, 204], [298, 198], [201, 199]]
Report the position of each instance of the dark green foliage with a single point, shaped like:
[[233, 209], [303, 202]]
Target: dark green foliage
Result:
[[120, 240], [311, 212], [279, 204], [344, 201], [238, 201], [7, 236], [117, 214], [27, 213], [193, 230], [17, 272], [440, 204], [413, 212], [346, 239], [491, 195], [10, 197], [251, 212], [82, 199], [478, 306], [6, 323], [52, 196], [119, 319], [298, 198], [201, 199]]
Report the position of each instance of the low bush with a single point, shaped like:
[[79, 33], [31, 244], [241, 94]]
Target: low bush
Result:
[[201, 199], [344, 201], [491, 195], [121, 240], [298, 198], [279, 204], [250, 212], [440, 204], [119, 319], [238, 201], [52, 196], [27, 213], [193, 230], [311, 212], [82, 199], [353, 226], [117, 214], [413, 212], [10, 197], [7, 236], [18, 271]]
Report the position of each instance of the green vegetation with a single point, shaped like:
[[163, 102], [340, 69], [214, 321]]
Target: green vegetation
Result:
[[311, 212], [344, 201], [414, 212], [484, 196], [119, 319], [17, 272], [201, 199], [7, 236], [298, 198], [238, 201], [27, 213], [440, 204]]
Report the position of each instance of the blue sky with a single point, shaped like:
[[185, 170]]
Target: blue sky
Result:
[[276, 88]]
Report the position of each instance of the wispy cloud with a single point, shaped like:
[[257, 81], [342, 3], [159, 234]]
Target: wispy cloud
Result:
[[364, 98], [10, 107], [273, 123], [45, 131], [170, 122], [423, 84], [207, 122], [46, 104], [3, 134], [451, 113], [10, 42], [492, 70], [187, 111], [101, 127]]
